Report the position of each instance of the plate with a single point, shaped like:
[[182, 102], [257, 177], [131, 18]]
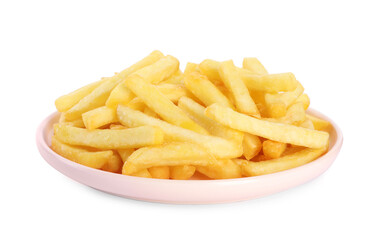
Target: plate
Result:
[[196, 191]]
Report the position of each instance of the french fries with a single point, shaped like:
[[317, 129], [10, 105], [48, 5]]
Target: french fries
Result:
[[109, 139], [274, 131], [152, 120]]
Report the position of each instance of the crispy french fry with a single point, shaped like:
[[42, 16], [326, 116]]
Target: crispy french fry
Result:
[[64, 103], [75, 123], [107, 138], [190, 68], [196, 112], [218, 147], [273, 149], [210, 68], [230, 76], [150, 112], [142, 173], [176, 78], [99, 117], [159, 103], [319, 124], [182, 172], [120, 94], [254, 66], [221, 169], [308, 124], [295, 114], [283, 163], [137, 104], [117, 127], [173, 91], [273, 131], [205, 90], [82, 156], [162, 172], [304, 99], [114, 164], [172, 154], [251, 146], [125, 153]]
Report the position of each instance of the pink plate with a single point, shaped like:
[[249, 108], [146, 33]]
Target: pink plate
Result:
[[187, 191]]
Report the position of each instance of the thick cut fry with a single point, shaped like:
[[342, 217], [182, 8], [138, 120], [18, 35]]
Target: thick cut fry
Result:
[[125, 153], [308, 124], [284, 163], [210, 68], [205, 90], [273, 131], [288, 98], [160, 172], [117, 127], [319, 124], [107, 138], [218, 147], [114, 164], [190, 68], [254, 66], [273, 149], [75, 123], [159, 103], [80, 155], [150, 112], [271, 83], [231, 79], [221, 169], [99, 117], [176, 78], [172, 154], [64, 103], [196, 112], [251, 146], [122, 95], [137, 104], [95, 99], [304, 99], [295, 114], [142, 173], [182, 172], [173, 91]]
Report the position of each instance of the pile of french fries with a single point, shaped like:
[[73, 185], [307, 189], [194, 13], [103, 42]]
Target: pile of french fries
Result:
[[214, 119]]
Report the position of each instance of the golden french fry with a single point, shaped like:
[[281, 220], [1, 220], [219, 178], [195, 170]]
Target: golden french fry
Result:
[[142, 173], [216, 146], [308, 124], [176, 78], [172, 154], [273, 149], [114, 164], [230, 76], [205, 90], [125, 153], [196, 112], [107, 138], [274, 131], [160, 104], [75, 123], [254, 66], [82, 156], [319, 124], [64, 103], [137, 104], [190, 68], [251, 146], [150, 112], [295, 114], [117, 127], [182, 172], [221, 169], [99, 117], [283, 163], [210, 68], [120, 94], [173, 91], [162, 172], [304, 99]]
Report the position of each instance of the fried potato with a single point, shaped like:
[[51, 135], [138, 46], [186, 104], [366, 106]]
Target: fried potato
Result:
[[210, 68], [176, 78], [142, 173], [251, 146], [75, 123], [160, 104], [273, 149], [64, 103], [221, 169], [232, 80], [254, 66], [107, 138], [117, 127], [308, 124], [150, 112], [99, 117], [205, 90], [93, 159], [125, 153], [114, 164], [183, 172], [172, 154], [274, 131], [319, 124], [216, 146], [304, 99], [173, 91], [162, 172], [196, 112], [137, 104], [295, 114], [283, 163], [190, 68]]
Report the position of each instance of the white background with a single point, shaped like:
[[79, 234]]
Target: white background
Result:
[[49, 48]]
